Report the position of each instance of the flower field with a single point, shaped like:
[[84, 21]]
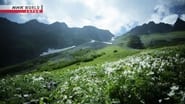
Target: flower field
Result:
[[150, 77]]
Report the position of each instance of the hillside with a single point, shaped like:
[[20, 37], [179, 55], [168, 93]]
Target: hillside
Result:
[[150, 76], [20, 42], [154, 35], [152, 27], [45, 60], [179, 25], [155, 40], [86, 54], [87, 68]]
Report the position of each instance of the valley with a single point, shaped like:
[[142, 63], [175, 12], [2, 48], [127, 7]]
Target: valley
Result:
[[142, 68]]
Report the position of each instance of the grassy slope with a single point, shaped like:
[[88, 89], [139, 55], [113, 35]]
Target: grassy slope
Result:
[[150, 76], [69, 59], [147, 38], [109, 55], [122, 40]]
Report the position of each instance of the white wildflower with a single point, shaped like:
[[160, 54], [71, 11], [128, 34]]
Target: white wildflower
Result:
[[115, 101], [26, 95], [167, 98], [150, 73], [37, 78], [76, 88], [183, 95], [68, 102], [18, 95], [173, 89], [65, 97], [171, 93], [160, 100], [109, 70]]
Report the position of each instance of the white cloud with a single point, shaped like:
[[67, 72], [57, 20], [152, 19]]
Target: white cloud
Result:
[[113, 15], [84, 12], [183, 17], [170, 19], [163, 13], [160, 12]]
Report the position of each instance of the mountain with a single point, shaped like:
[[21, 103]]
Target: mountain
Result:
[[179, 25], [20, 42], [155, 35], [151, 28]]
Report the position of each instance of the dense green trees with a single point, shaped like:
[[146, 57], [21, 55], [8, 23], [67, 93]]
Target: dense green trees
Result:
[[135, 42]]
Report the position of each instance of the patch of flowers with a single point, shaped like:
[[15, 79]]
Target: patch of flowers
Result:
[[28, 88], [151, 77]]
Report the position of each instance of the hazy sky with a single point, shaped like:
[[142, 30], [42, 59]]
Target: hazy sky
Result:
[[117, 16]]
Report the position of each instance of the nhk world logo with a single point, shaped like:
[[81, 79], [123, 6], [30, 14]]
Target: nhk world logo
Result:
[[21, 8]]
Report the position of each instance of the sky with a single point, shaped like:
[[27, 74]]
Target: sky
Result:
[[117, 16]]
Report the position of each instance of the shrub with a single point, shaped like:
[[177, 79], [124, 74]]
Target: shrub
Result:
[[135, 42], [115, 51]]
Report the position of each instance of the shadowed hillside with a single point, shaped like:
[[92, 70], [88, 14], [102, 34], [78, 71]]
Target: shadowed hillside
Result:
[[20, 42]]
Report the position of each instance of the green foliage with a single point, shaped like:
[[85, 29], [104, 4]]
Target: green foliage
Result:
[[150, 77], [157, 80], [135, 42], [115, 51], [27, 45], [82, 55], [26, 88], [155, 40]]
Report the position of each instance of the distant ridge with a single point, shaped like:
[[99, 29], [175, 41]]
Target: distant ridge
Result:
[[20, 42], [179, 25], [151, 28]]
